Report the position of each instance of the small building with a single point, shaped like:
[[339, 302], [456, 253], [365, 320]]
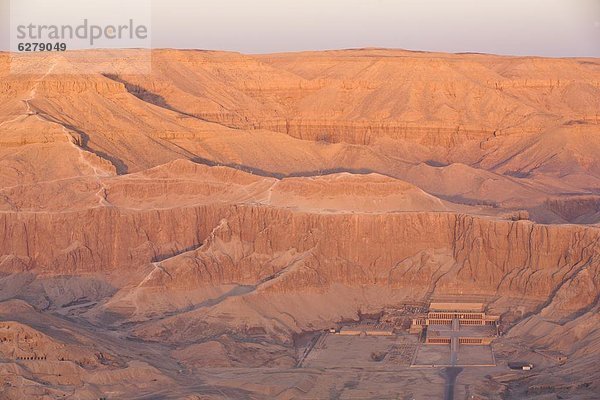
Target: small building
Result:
[[467, 322], [484, 340], [519, 365], [367, 330], [465, 313]]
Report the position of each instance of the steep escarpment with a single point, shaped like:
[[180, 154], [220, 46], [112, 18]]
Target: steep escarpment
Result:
[[474, 136], [361, 95], [500, 257], [367, 132], [583, 210]]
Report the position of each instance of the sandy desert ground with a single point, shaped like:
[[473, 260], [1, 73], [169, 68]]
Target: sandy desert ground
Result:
[[179, 234]]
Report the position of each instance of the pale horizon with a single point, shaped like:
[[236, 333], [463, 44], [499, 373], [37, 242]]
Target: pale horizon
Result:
[[550, 28]]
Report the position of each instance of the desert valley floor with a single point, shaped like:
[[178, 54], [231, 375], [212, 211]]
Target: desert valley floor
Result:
[[197, 232]]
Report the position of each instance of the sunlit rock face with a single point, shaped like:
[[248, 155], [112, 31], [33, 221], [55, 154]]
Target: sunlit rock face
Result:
[[192, 224]]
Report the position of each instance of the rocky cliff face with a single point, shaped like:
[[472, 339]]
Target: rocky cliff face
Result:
[[506, 139], [491, 257]]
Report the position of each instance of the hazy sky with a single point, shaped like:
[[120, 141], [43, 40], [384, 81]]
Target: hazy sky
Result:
[[522, 27]]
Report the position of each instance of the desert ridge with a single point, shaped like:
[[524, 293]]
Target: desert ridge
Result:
[[210, 229]]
